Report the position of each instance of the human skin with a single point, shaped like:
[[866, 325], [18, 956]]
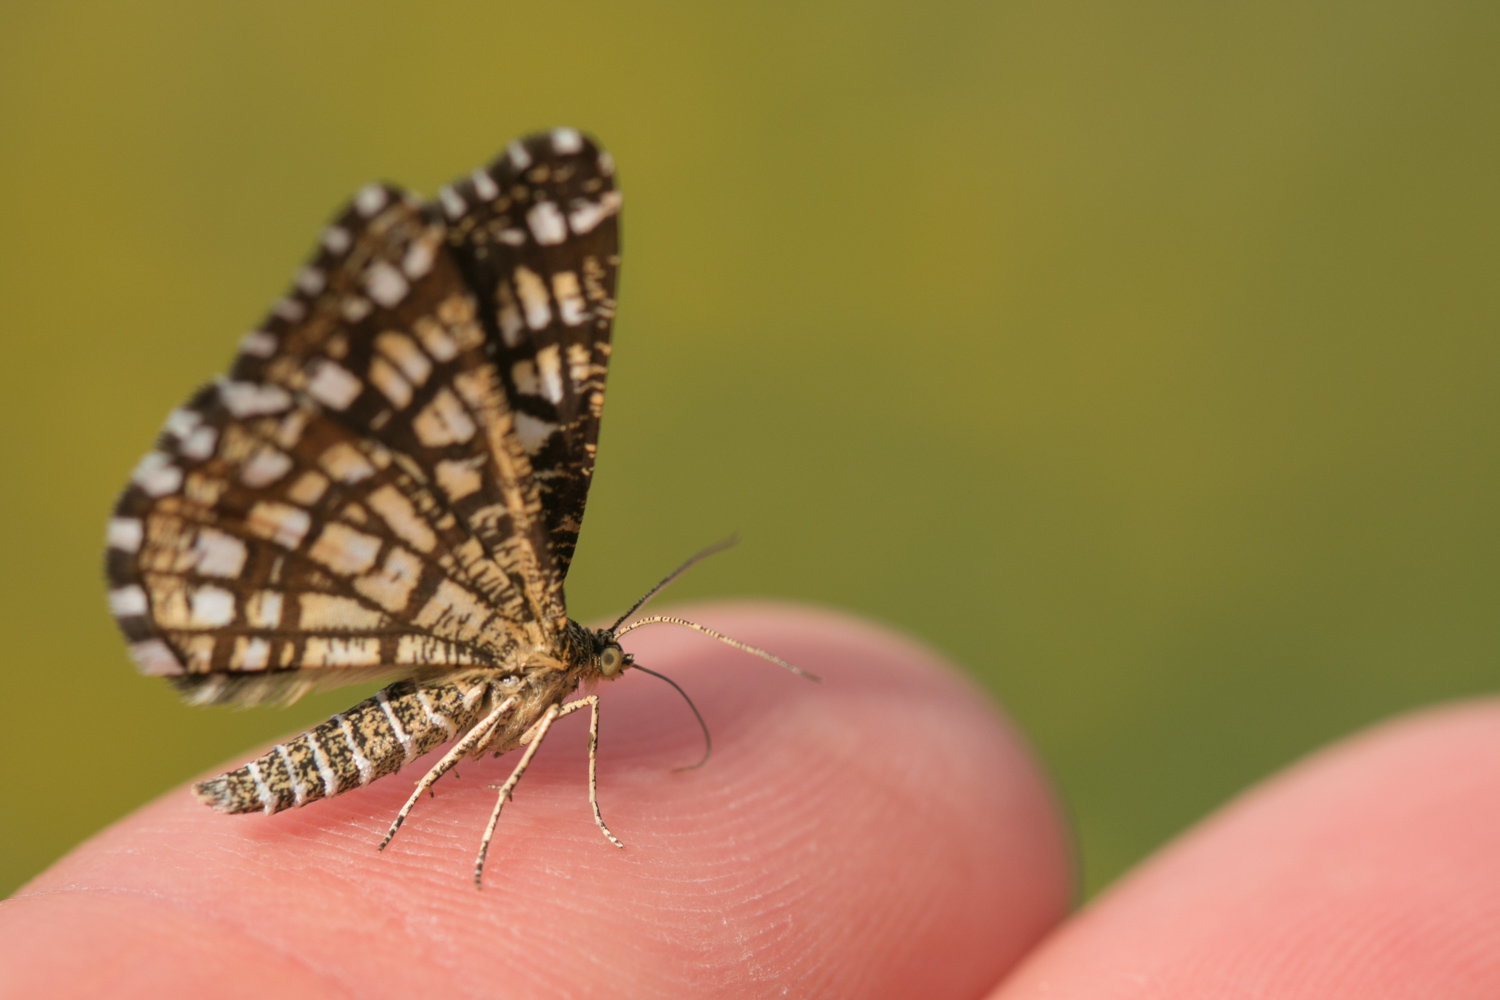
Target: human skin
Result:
[[1370, 870], [882, 834]]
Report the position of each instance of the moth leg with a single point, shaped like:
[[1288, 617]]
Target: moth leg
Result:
[[475, 737], [538, 733], [592, 701]]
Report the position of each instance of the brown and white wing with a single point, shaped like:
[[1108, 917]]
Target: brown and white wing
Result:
[[351, 499], [537, 236]]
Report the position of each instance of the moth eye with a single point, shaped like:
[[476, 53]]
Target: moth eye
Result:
[[610, 660]]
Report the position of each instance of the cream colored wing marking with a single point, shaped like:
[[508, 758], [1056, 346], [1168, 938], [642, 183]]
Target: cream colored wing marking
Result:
[[351, 498]]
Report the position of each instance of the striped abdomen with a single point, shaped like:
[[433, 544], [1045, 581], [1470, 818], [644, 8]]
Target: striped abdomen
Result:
[[350, 750]]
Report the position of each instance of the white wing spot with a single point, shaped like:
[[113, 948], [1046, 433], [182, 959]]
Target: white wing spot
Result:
[[127, 601], [258, 344], [265, 467], [125, 534], [218, 554], [513, 237], [311, 280], [588, 214], [418, 260], [354, 308], [484, 185], [566, 141], [288, 309], [250, 654], [370, 199], [453, 205], [264, 609], [533, 433], [157, 475], [547, 223], [199, 445], [385, 284], [212, 607], [180, 422], [336, 239], [155, 658], [516, 153], [252, 399], [333, 385]]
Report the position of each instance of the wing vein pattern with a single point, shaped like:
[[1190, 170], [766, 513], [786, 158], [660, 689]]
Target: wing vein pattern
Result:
[[391, 477]]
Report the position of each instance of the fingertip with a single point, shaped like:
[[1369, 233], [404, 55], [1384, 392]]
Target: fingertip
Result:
[[1368, 870], [882, 833]]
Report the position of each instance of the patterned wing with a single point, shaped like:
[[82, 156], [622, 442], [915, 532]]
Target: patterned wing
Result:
[[351, 499], [537, 236]]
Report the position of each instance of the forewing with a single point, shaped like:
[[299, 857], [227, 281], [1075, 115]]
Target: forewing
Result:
[[537, 236], [351, 499]]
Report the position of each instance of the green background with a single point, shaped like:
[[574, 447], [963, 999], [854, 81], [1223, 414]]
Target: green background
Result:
[[1141, 356]]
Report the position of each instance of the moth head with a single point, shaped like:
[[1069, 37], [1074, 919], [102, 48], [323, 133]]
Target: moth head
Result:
[[609, 657]]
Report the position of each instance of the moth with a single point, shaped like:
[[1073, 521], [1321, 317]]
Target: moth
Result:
[[389, 483]]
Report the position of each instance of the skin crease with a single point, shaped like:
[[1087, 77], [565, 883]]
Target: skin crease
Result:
[[882, 834]]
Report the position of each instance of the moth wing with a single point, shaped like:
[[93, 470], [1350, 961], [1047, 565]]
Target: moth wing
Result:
[[351, 500], [536, 234]]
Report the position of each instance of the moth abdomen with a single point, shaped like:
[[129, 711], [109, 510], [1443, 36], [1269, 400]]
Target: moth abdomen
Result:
[[370, 740]]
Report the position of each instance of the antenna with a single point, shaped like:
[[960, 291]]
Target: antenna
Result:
[[708, 741], [713, 549], [744, 646]]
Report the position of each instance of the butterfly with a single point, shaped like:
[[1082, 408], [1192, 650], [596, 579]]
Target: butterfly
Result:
[[389, 483]]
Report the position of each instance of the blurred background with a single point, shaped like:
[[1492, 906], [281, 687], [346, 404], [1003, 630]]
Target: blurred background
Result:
[[1141, 356]]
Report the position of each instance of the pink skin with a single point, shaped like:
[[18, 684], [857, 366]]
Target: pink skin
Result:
[[882, 834], [1370, 870]]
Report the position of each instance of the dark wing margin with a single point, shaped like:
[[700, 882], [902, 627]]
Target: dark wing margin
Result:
[[351, 500], [536, 234]]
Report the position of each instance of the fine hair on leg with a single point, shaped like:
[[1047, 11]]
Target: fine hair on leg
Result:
[[538, 734], [592, 701], [475, 737]]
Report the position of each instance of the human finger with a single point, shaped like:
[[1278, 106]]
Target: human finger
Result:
[[883, 833], [1370, 870]]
